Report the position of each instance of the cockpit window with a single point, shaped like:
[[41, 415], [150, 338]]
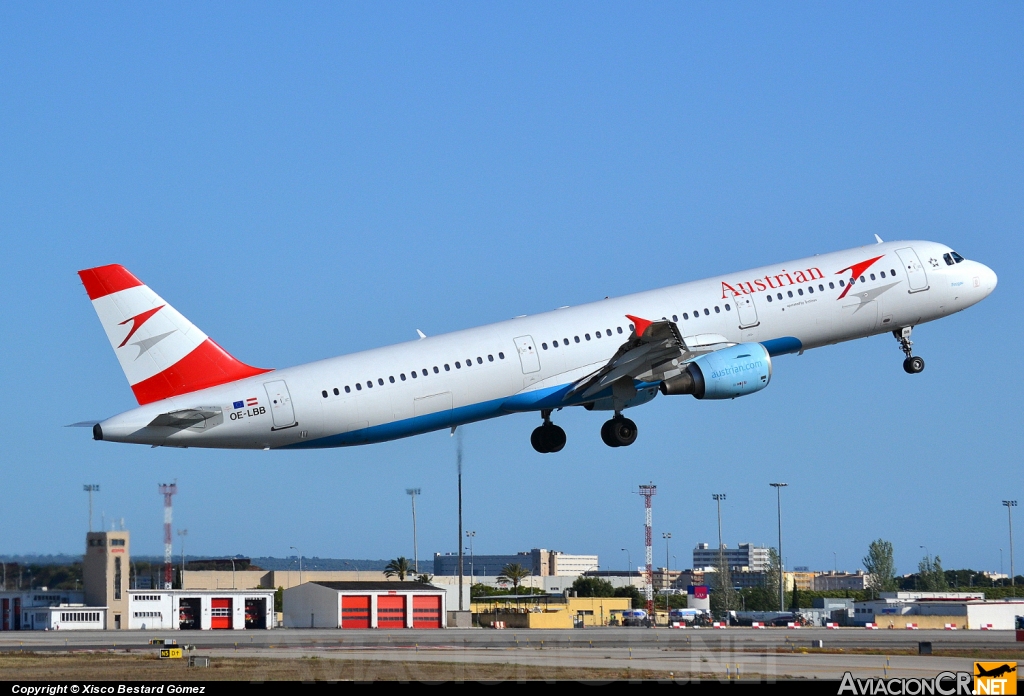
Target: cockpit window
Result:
[[948, 259], [957, 257]]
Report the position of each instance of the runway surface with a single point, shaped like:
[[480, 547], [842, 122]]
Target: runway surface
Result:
[[749, 653]]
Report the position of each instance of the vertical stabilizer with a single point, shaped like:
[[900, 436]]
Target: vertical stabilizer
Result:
[[162, 353]]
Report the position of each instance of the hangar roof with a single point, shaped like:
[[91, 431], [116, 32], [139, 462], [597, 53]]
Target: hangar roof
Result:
[[378, 586]]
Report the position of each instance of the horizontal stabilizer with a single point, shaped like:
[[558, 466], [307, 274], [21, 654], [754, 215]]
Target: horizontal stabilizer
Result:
[[82, 424]]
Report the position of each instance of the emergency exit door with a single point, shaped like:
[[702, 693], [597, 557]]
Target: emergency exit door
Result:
[[280, 404], [917, 277], [528, 354]]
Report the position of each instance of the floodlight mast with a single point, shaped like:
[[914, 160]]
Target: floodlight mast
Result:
[[778, 490], [648, 491], [168, 490], [91, 488]]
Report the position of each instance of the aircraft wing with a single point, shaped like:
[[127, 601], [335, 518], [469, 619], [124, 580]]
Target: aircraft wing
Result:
[[184, 418], [654, 351]]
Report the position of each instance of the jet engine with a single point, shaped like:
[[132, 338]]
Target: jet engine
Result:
[[725, 374]]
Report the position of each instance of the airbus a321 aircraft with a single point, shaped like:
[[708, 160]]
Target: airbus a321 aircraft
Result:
[[711, 339]]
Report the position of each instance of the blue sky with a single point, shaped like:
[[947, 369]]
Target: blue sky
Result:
[[308, 180]]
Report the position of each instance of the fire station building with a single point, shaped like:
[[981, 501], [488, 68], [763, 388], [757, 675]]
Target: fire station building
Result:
[[387, 605]]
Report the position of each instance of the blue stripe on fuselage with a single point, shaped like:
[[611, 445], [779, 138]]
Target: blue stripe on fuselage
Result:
[[550, 397], [782, 346]]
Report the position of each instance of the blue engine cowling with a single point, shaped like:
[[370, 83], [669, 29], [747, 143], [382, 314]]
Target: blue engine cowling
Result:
[[725, 374]]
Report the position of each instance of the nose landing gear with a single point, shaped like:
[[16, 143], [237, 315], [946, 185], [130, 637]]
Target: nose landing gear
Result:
[[913, 364], [619, 432], [547, 438]]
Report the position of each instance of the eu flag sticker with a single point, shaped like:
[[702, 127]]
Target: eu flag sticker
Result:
[[238, 404]]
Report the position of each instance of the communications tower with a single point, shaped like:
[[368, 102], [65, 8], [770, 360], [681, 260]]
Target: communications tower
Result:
[[168, 490], [648, 492]]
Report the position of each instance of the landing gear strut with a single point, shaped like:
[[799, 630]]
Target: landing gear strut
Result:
[[912, 365], [548, 437], [619, 432]]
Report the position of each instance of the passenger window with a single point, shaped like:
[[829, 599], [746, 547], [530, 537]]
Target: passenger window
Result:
[[436, 370], [862, 279], [632, 328], [359, 387], [501, 356], [619, 329], [391, 379], [780, 295], [728, 308], [686, 316], [479, 360], [800, 291], [608, 333], [380, 381], [717, 310], [544, 346], [347, 390], [424, 372], [706, 312], [872, 276], [413, 374], [469, 362], [490, 358], [675, 318], [831, 286], [576, 338], [336, 392], [882, 274], [841, 283], [821, 288], [789, 292], [769, 298], [457, 365], [598, 333], [369, 385], [324, 392], [810, 289], [587, 336], [447, 368]]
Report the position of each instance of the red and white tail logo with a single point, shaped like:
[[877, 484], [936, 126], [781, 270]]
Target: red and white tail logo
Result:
[[162, 353]]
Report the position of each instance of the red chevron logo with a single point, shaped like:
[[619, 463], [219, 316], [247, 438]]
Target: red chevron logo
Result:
[[856, 271], [137, 321]]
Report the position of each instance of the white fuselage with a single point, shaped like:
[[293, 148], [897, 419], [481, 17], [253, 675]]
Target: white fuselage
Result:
[[516, 365]]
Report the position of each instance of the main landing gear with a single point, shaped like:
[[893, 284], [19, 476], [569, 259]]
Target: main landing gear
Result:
[[548, 437], [619, 432], [913, 364]]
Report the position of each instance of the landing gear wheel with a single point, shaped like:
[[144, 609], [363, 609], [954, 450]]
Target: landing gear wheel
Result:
[[913, 365], [548, 438], [619, 432]]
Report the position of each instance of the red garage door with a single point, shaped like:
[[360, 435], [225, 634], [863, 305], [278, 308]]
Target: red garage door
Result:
[[426, 612], [355, 611], [220, 612], [390, 611]]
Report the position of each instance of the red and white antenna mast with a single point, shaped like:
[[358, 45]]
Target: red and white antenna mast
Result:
[[168, 490], [648, 492]]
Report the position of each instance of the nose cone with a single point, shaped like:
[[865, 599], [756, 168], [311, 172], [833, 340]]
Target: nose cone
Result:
[[988, 280]]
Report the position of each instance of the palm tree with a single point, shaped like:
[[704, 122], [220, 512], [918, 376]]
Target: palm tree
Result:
[[400, 567], [514, 573]]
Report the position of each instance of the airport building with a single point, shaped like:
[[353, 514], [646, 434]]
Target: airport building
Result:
[[961, 610], [540, 562], [744, 556], [842, 581], [387, 605], [105, 601]]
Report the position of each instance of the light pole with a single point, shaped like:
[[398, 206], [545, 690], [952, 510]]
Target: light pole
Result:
[[300, 561], [668, 578], [629, 565], [782, 600], [413, 492], [182, 533], [718, 498], [1010, 504], [472, 557], [90, 489], [233, 574]]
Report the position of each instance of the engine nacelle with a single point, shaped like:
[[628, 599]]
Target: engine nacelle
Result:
[[725, 374]]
